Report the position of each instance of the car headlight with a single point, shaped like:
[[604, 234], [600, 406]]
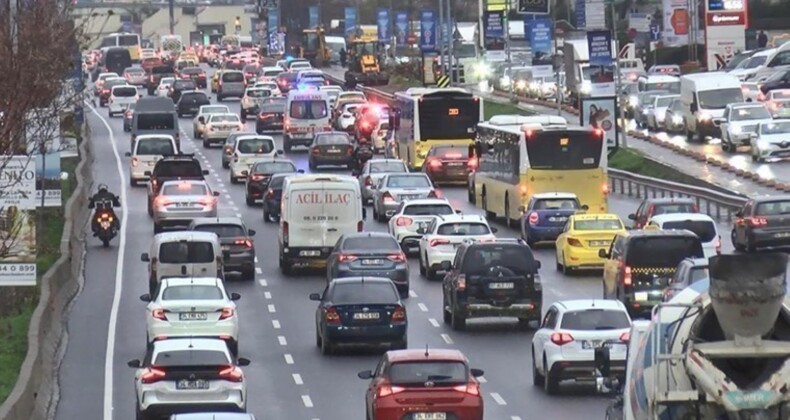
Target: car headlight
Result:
[[481, 70], [521, 84], [633, 100], [762, 144], [660, 115], [586, 87], [703, 116], [505, 80], [736, 129], [677, 119]]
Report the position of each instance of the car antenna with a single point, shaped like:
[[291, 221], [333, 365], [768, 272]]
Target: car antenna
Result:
[[426, 349]]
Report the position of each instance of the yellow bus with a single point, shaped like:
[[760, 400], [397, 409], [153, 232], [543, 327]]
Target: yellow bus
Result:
[[124, 39], [434, 116], [519, 156]]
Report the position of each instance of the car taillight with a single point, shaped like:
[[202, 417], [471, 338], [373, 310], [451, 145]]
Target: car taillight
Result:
[[332, 317], [152, 79], [472, 163], [471, 388], [561, 338], [627, 280], [106, 91], [758, 221], [435, 164], [397, 257], [533, 218], [285, 232], [436, 242], [246, 242], [399, 315], [270, 193], [368, 181], [574, 242], [159, 314], [225, 313], [316, 151], [387, 390], [346, 258], [388, 198], [403, 221], [360, 226], [162, 201], [231, 374], [152, 375], [605, 188], [718, 245], [625, 337]]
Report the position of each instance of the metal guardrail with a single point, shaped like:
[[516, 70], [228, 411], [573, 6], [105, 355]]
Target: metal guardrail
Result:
[[720, 206]]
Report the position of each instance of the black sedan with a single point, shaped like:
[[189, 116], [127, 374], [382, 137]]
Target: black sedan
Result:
[[180, 86], [270, 118], [360, 311], [449, 164], [237, 245], [331, 148], [190, 103], [258, 177], [273, 197], [196, 74], [374, 254]]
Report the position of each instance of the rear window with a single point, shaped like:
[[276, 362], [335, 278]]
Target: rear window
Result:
[[273, 109], [463, 229], [155, 147], [186, 252], [387, 167], [274, 167], [663, 251], [196, 97], [161, 69], [598, 224], [259, 93], [595, 319], [224, 118], [149, 121], [308, 110], [250, 69], [269, 73], [428, 210], [124, 92], [773, 208], [223, 231], [452, 153], [176, 169], [408, 182], [233, 77], [479, 259], [371, 243], [192, 70], [332, 139], [556, 204], [418, 373], [255, 146], [277, 182], [360, 292], [185, 189], [179, 358], [671, 208], [184, 84], [192, 292], [706, 230]]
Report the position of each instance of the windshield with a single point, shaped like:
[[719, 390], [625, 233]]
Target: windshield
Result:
[[150, 121], [664, 101], [479, 259], [648, 98], [327, 139], [128, 40], [155, 147], [274, 167], [595, 320], [202, 358], [308, 110], [735, 61], [375, 244], [272, 109], [775, 128], [256, 146], [597, 224], [672, 87], [464, 50], [705, 230], [222, 231], [663, 251], [387, 167], [176, 169], [749, 113], [124, 92], [418, 373], [184, 85], [408, 182], [185, 189], [753, 62], [720, 98], [167, 81], [448, 117], [670, 208], [233, 77], [272, 72], [556, 204], [186, 252], [226, 118], [699, 273], [463, 229], [259, 93], [251, 68], [192, 292], [780, 59], [428, 210], [361, 293], [565, 150], [780, 94], [773, 208]]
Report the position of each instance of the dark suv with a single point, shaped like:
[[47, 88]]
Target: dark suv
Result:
[[763, 221], [169, 168], [654, 206], [259, 175], [492, 279], [155, 75]]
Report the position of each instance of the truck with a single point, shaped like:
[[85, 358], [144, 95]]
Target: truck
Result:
[[363, 62], [577, 64]]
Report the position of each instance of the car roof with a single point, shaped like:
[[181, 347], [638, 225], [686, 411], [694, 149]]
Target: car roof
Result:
[[186, 343], [384, 160], [407, 174], [771, 198], [454, 218], [580, 304], [184, 181], [419, 355], [360, 280], [356, 235], [547, 195], [190, 281], [659, 232], [203, 221], [595, 216], [747, 105], [696, 262], [676, 217], [185, 235], [213, 416], [425, 201], [153, 137]]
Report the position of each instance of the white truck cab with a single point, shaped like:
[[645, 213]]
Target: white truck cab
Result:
[[705, 97]]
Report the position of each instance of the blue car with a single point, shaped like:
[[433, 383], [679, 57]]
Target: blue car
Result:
[[545, 216], [360, 311]]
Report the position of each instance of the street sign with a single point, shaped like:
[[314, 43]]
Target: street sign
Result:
[[443, 81], [655, 32]]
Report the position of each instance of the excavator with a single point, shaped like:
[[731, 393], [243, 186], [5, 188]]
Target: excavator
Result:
[[363, 63], [314, 47]]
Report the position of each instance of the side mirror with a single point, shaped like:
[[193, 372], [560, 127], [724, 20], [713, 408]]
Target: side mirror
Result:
[[538, 265], [134, 363], [128, 154], [300, 171], [459, 212], [245, 173], [365, 374], [144, 257], [235, 296], [477, 372], [494, 230], [602, 253], [315, 297], [753, 136], [205, 171], [602, 361], [446, 266], [632, 216], [242, 362], [147, 173], [355, 173], [717, 122], [585, 207], [421, 230], [202, 120], [209, 97], [250, 232], [280, 152], [739, 213], [693, 107], [215, 193], [748, 99], [145, 298]]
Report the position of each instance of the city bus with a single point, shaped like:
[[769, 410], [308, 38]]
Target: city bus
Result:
[[520, 156], [124, 39], [428, 117]]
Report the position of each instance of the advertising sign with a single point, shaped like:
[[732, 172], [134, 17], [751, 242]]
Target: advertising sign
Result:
[[677, 23], [312, 15], [401, 28], [383, 24], [18, 222], [581, 15], [427, 30], [601, 113], [599, 44], [726, 22], [351, 19], [533, 7], [540, 38], [494, 24], [48, 180], [273, 21]]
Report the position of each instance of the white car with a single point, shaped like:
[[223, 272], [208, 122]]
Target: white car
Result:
[[771, 141], [269, 73], [657, 113], [347, 117], [272, 86], [352, 94], [564, 345], [444, 235], [414, 215], [164, 86], [178, 202], [219, 127], [373, 171], [246, 151], [100, 80], [205, 111], [120, 98], [700, 224], [739, 122], [192, 307], [179, 373], [751, 92], [147, 149], [298, 66]]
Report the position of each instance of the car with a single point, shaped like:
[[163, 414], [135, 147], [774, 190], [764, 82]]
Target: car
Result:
[[352, 95], [751, 92], [393, 188], [196, 74], [779, 108], [423, 384], [286, 82], [373, 171], [163, 89], [251, 101], [333, 92], [178, 202], [107, 87], [215, 80], [313, 77], [218, 127], [762, 222], [413, 215], [246, 151], [270, 118], [345, 115], [688, 272], [771, 140], [269, 73], [236, 240], [99, 84], [545, 214], [177, 167], [259, 175], [273, 198], [700, 224], [780, 79], [448, 164], [121, 96], [155, 76], [361, 311], [192, 306], [658, 111], [491, 279], [182, 254], [213, 416], [665, 69], [297, 66], [740, 121], [271, 85], [232, 84], [251, 72], [444, 235], [641, 104], [204, 111], [204, 368], [180, 86], [146, 151], [230, 145], [582, 238], [674, 122], [650, 207], [564, 346], [293, 61], [189, 103], [369, 254], [331, 148], [128, 115], [639, 263]]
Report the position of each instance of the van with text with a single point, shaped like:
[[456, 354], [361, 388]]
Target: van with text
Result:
[[306, 112]]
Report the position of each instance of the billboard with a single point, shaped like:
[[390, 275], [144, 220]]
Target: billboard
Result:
[[401, 29], [677, 23], [383, 24], [18, 222], [601, 113], [533, 7], [540, 38], [427, 30], [602, 68], [312, 14], [48, 180], [351, 19], [725, 24]]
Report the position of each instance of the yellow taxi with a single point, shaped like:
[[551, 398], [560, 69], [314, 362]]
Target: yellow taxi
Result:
[[584, 235], [215, 81]]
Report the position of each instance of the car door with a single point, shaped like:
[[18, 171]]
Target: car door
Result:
[[639, 214], [375, 382], [319, 312], [426, 237], [725, 120], [543, 333], [378, 201], [740, 224], [448, 282]]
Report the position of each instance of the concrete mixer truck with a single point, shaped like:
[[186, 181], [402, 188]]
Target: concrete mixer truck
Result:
[[719, 350]]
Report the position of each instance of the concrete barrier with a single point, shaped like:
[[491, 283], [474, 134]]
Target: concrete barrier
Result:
[[35, 395]]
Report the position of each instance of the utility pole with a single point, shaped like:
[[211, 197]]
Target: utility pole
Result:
[[480, 36], [440, 38], [618, 81], [171, 11], [507, 52], [450, 41], [13, 25], [557, 64]]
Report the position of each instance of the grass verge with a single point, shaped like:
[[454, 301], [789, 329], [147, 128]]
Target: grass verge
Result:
[[491, 109], [632, 160]]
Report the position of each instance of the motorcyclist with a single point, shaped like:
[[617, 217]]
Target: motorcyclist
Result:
[[106, 201], [362, 152]]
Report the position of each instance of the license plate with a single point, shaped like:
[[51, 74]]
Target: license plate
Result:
[[187, 384], [640, 296], [782, 235], [366, 315], [500, 285], [105, 225], [410, 196], [558, 219], [192, 316], [590, 345], [333, 151], [310, 253], [152, 163], [226, 248], [429, 416], [599, 243], [455, 164], [373, 262]]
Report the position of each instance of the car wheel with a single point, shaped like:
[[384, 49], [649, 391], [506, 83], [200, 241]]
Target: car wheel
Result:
[[750, 247], [266, 215], [195, 135], [490, 215], [225, 165], [152, 285], [206, 145], [557, 264], [132, 182], [248, 274], [458, 320], [422, 267], [326, 347], [735, 244], [470, 194], [537, 378], [233, 346], [150, 209], [233, 179], [566, 271], [243, 116], [400, 345], [430, 273], [550, 383], [250, 200], [138, 415], [446, 316], [157, 228], [287, 144], [285, 266], [317, 339]]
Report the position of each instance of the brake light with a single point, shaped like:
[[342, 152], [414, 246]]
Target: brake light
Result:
[[159, 314], [316, 151], [472, 163], [598, 132], [627, 280], [471, 388], [387, 390], [257, 177], [360, 226], [388, 197], [346, 258], [226, 313], [399, 315], [460, 282], [605, 188], [152, 79], [435, 194], [436, 242], [369, 181], [152, 375], [285, 232], [533, 218], [574, 242], [561, 338], [270, 193], [435, 164], [403, 221], [332, 317], [246, 242], [232, 374], [396, 258], [758, 221], [625, 337]]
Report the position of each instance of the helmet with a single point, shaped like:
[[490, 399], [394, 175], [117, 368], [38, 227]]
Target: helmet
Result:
[[102, 188]]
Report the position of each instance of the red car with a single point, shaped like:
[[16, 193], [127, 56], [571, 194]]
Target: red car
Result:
[[423, 384]]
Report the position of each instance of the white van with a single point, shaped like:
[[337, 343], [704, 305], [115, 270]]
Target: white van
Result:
[[147, 149], [778, 60], [306, 112], [316, 211], [700, 224], [704, 97], [183, 254], [121, 97]]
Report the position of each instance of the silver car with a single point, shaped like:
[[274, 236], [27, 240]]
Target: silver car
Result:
[[392, 189], [373, 171], [232, 84], [178, 202], [179, 375], [658, 111], [219, 127], [199, 125]]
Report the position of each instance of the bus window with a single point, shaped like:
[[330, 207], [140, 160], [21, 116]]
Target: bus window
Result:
[[564, 150]]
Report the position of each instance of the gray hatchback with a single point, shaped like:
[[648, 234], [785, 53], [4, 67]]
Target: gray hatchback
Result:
[[369, 254], [231, 85]]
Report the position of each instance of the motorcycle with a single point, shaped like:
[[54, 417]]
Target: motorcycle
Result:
[[106, 226], [363, 154]]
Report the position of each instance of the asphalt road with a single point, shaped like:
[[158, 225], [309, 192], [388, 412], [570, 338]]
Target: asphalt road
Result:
[[288, 377]]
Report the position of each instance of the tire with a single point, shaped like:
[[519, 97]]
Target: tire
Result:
[[195, 135], [248, 274], [400, 345], [243, 116], [250, 201], [470, 194], [422, 267], [286, 144], [225, 165], [311, 165], [232, 179], [457, 320], [550, 384], [508, 220], [326, 347], [446, 317], [105, 242], [489, 214], [132, 182], [285, 266], [138, 415], [430, 274], [150, 209], [537, 378], [317, 339], [157, 228], [265, 215], [566, 271], [233, 346], [152, 285], [206, 145], [735, 244]]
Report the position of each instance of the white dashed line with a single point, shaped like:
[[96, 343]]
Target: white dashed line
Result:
[[256, 260], [434, 322], [307, 401], [515, 418], [224, 190], [227, 196], [263, 282], [412, 294], [447, 339], [498, 398], [289, 359], [276, 324], [235, 208], [282, 340], [422, 307], [267, 295], [272, 309], [482, 379], [298, 379], [238, 215], [258, 270]]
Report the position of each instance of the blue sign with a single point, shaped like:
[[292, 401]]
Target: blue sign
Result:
[[313, 16], [581, 14], [599, 44], [540, 39], [383, 24], [427, 30], [351, 19], [273, 21], [655, 32], [494, 24], [401, 28]]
